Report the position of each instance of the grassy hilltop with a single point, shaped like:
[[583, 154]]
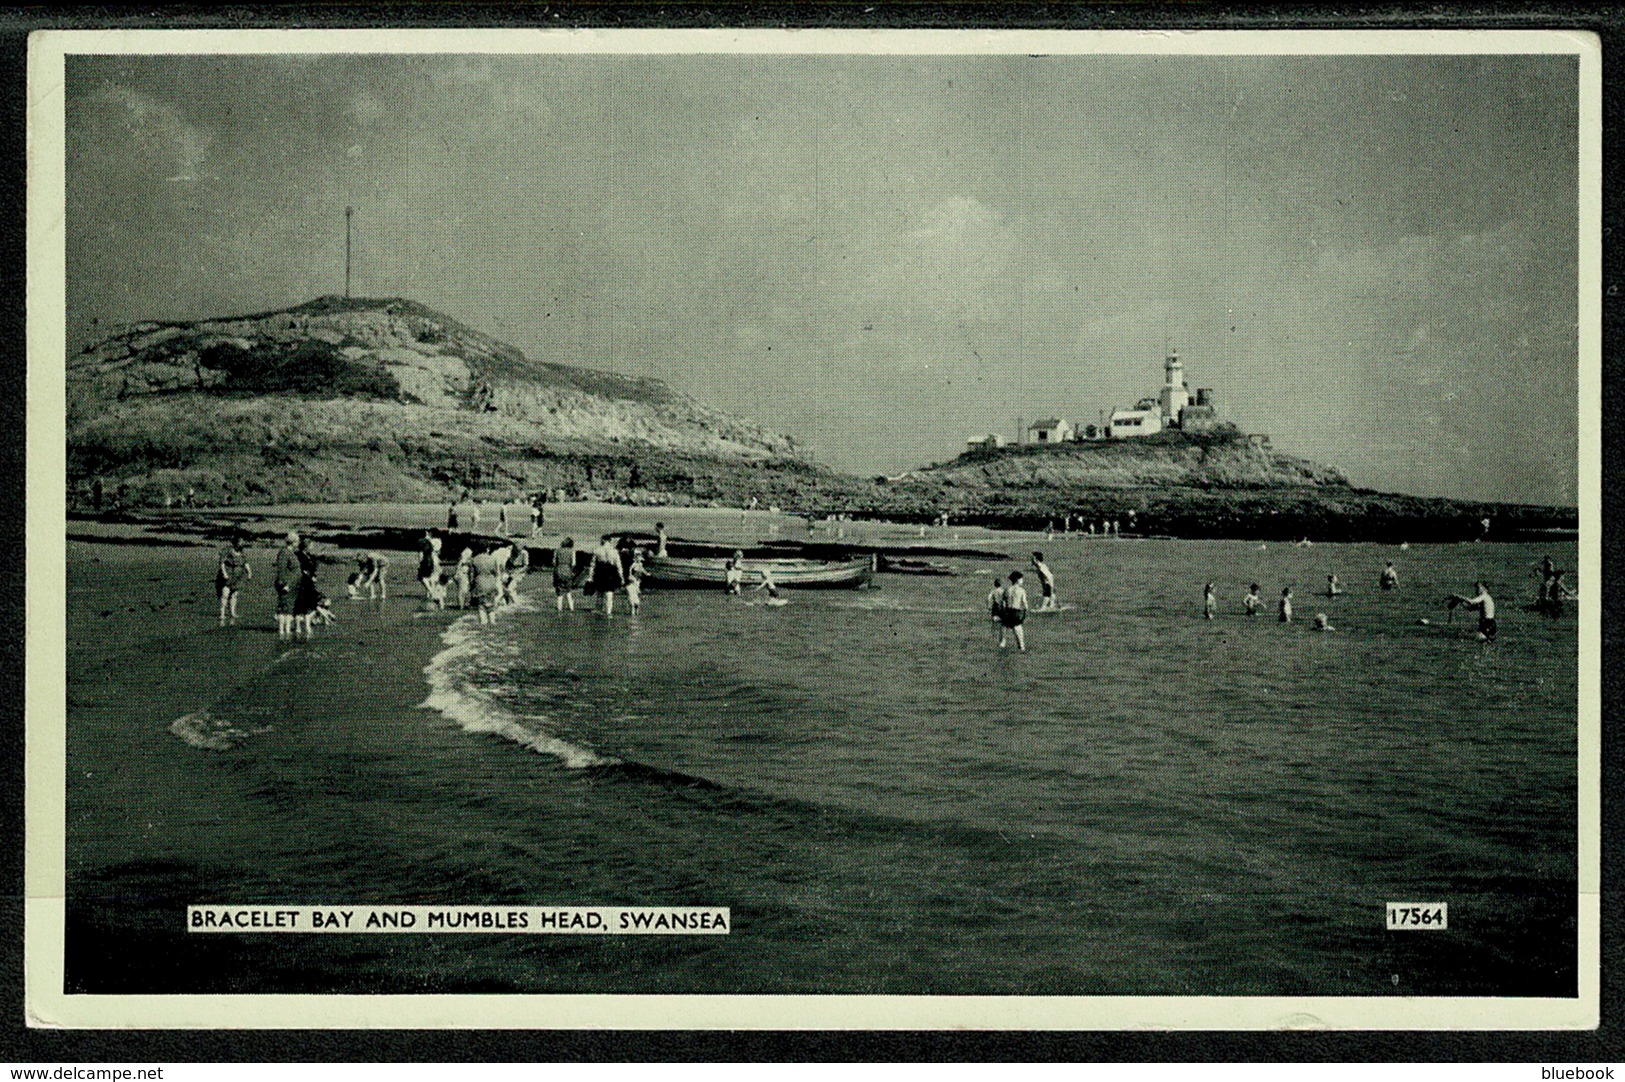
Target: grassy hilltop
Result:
[[387, 400], [355, 399]]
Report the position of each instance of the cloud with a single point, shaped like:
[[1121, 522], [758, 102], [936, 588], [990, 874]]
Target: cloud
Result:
[[365, 109], [475, 87], [948, 266], [182, 147]]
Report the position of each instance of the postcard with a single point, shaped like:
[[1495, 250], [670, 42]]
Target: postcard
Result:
[[813, 529]]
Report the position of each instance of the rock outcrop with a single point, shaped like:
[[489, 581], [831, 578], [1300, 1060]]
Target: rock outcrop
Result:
[[347, 399]]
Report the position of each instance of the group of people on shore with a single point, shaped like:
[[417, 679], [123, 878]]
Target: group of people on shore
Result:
[[535, 513]]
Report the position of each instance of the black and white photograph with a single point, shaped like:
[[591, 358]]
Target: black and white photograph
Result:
[[820, 529]]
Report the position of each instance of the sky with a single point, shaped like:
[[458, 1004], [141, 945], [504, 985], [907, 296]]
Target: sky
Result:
[[1371, 259]]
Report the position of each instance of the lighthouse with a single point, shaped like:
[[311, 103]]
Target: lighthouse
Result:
[[1175, 396]]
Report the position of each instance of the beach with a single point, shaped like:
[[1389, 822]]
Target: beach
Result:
[[1144, 803]]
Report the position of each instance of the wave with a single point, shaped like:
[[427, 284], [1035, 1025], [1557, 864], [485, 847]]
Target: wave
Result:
[[884, 603], [454, 692], [202, 729]]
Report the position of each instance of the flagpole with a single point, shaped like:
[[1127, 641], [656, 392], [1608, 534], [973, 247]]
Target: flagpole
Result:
[[348, 212]]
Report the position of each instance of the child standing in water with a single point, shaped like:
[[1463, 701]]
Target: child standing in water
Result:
[[1209, 602], [995, 607], [634, 582], [1252, 601], [1283, 611], [1390, 577], [229, 578]]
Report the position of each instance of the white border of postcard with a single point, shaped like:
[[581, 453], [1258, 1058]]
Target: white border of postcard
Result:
[[47, 520]]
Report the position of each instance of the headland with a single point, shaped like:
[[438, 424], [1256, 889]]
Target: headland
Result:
[[350, 400]]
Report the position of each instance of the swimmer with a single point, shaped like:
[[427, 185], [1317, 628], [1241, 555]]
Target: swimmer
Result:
[[1013, 612], [1484, 603], [1333, 586], [1283, 609], [1321, 623], [1046, 583], [1389, 579], [769, 585], [1557, 593], [1252, 601], [1209, 602], [735, 572]]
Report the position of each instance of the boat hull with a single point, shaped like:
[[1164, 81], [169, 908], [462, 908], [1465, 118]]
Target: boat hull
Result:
[[679, 572]]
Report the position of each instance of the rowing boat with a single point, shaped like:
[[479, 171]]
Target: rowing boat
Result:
[[713, 571]]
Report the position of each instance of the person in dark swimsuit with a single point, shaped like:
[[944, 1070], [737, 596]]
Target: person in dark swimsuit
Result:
[[286, 583], [564, 574], [1013, 612], [307, 598], [606, 574]]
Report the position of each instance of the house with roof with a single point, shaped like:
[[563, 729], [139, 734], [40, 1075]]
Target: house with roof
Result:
[[1051, 430]]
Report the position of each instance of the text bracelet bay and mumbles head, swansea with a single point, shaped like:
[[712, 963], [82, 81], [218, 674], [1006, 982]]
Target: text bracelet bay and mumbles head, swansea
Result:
[[1056, 526]]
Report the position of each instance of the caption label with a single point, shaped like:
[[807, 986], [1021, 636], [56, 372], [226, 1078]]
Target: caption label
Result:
[[434, 919]]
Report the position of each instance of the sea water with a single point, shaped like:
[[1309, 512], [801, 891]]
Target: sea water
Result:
[[1144, 802]]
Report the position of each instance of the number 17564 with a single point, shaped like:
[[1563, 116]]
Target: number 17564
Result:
[[1418, 916]]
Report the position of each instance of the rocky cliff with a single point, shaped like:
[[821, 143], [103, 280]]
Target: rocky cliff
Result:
[[349, 399], [1218, 460]]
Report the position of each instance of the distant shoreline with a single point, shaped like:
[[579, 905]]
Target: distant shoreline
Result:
[[397, 526]]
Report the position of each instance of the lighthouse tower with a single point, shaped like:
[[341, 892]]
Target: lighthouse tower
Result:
[[1175, 396]]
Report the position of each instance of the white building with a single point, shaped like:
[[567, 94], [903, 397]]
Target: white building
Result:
[[1051, 430], [1142, 421]]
